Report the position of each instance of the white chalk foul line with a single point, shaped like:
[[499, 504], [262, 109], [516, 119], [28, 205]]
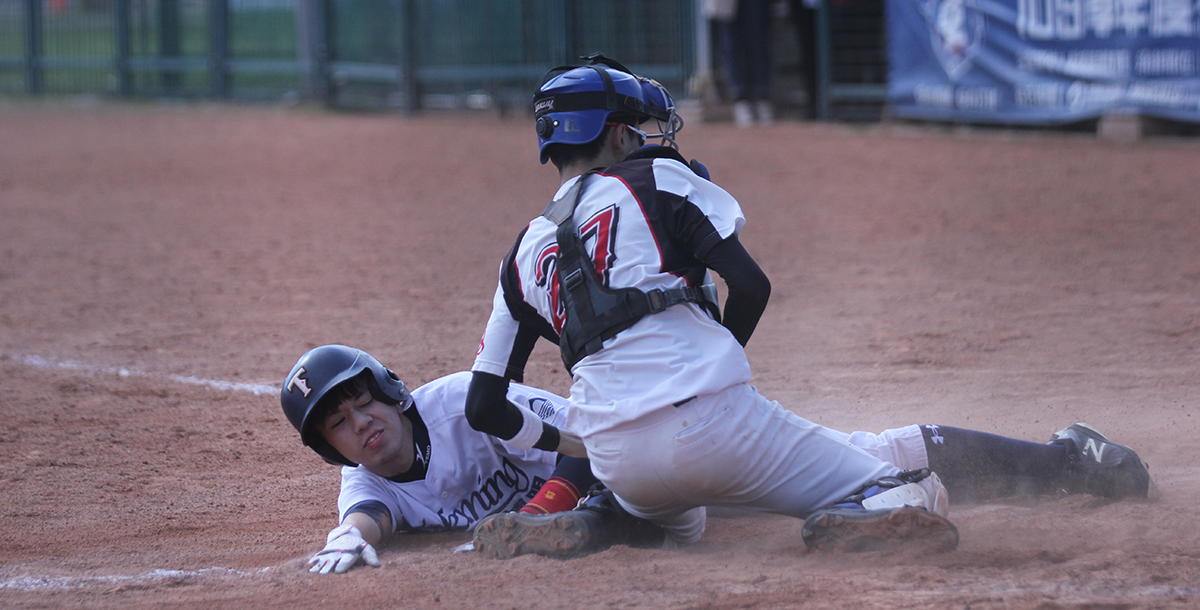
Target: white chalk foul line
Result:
[[257, 389], [35, 583]]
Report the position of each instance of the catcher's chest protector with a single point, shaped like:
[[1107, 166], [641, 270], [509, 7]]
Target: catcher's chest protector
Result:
[[595, 312]]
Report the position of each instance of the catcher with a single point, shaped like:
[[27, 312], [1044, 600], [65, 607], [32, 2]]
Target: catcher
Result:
[[616, 272]]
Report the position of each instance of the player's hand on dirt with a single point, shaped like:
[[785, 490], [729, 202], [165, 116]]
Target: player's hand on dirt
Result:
[[343, 548], [571, 445]]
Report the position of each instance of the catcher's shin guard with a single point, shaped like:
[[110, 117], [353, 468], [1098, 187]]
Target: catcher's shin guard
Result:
[[595, 525], [908, 508], [1098, 466]]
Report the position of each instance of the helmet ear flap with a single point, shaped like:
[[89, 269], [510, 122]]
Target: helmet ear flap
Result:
[[386, 387]]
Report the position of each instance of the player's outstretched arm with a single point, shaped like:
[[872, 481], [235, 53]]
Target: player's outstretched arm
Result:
[[348, 543]]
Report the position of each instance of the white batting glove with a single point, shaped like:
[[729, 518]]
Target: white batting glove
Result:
[[343, 548]]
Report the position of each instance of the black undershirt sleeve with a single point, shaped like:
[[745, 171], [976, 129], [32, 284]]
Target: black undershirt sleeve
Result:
[[377, 511], [749, 288], [488, 410]]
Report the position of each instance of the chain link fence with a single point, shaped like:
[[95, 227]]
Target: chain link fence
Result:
[[401, 54]]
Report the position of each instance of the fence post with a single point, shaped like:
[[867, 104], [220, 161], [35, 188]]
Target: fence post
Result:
[[571, 54], [169, 44], [33, 47], [308, 37], [326, 52], [696, 58], [123, 17], [824, 60], [218, 48], [315, 18], [412, 86]]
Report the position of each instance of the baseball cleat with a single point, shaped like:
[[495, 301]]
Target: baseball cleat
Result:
[[855, 530], [508, 535], [1101, 467], [909, 507]]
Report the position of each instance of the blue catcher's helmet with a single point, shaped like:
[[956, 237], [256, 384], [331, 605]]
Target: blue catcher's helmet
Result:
[[573, 103], [316, 373]]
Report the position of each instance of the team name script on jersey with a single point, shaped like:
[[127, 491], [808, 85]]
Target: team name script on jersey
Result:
[[499, 492]]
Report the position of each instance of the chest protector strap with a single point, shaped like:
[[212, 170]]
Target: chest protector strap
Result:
[[595, 312]]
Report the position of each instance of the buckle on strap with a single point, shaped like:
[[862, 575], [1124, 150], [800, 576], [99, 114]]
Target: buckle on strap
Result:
[[657, 300], [573, 279]]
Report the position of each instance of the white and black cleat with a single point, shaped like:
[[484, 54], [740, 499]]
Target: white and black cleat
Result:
[[855, 530], [1101, 467], [909, 508]]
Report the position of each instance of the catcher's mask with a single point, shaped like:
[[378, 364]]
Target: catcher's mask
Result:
[[573, 103], [319, 371]]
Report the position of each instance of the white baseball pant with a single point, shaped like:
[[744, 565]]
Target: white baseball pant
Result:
[[735, 448]]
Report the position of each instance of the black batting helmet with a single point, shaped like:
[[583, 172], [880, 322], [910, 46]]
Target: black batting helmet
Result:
[[319, 371]]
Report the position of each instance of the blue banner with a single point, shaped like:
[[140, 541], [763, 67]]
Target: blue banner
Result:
[[1043, 61]]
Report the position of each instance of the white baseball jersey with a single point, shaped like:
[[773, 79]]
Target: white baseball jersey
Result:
[[645, 224], [470, 474], [665, 408]]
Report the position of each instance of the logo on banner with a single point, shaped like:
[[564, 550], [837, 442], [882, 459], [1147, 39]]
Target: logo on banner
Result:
[[956, 27]]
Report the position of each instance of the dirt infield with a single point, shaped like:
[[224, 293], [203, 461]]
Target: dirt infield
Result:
[[163, 267]]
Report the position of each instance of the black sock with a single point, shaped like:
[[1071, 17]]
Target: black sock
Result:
[[979, 466], [576, 470]]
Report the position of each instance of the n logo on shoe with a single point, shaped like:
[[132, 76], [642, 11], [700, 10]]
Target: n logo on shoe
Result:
[[1097, 452]]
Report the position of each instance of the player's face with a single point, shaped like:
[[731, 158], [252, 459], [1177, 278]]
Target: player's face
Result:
[[371, 433]]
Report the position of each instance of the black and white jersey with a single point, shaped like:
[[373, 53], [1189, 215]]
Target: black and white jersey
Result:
[[646, 224]]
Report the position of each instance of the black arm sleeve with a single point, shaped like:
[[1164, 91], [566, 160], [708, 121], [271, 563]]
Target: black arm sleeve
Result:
[[749, 288], [488, 410]]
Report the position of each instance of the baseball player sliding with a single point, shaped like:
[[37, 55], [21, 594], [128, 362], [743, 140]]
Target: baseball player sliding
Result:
[[410, 463], [409, 460], [616, 272]]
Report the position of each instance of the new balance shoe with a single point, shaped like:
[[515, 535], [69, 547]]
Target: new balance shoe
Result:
[[909, 508], [1098, 466]]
